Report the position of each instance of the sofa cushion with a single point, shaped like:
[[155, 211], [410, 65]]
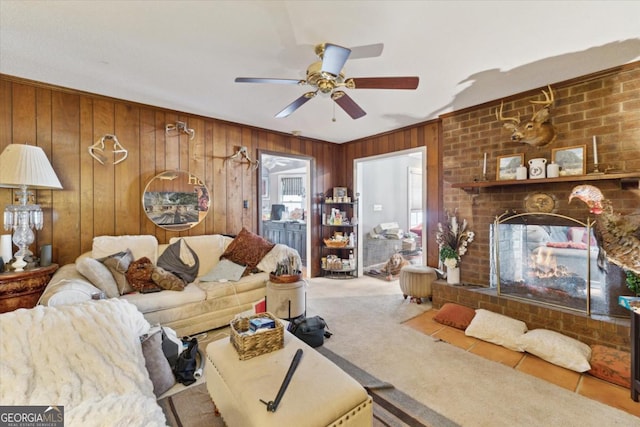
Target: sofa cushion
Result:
[[156, 362], [118, 264], [611, 365], [140, 246], [180, 260], [246, 284], [557, 348], [208, 247], [455, 315], [497, 329], [224, 270], [164, 300], [99, 275], [166, 279], [67, 291], [247, 249]]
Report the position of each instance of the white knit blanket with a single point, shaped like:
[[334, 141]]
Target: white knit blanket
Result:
[[86, 357]]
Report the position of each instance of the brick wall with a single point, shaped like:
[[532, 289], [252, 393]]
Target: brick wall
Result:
[[606, 105]]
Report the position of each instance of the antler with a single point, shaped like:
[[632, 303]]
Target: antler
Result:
[[499, 116], [542, 114]]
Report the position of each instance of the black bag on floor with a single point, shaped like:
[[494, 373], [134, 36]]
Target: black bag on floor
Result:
[[186, 364], [310, 330]]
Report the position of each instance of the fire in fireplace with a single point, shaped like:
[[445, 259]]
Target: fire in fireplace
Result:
[[550, 259]]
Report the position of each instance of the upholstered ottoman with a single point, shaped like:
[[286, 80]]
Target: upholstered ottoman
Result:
[[416, 280], [319, 394]]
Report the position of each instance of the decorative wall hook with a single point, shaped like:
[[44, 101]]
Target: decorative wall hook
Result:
[[243, 154], [97, 150], [180, 127]]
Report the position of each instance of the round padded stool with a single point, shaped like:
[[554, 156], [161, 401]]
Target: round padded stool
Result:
[[286, 300], [416, 280]]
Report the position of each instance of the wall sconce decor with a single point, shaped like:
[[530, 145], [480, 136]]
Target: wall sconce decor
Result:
[[243, 154], [96, 150], [22, 167], [180, 127]]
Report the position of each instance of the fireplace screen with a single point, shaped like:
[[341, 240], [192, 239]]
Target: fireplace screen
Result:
[[547, 258]]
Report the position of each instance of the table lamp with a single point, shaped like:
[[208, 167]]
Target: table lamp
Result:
[[22, 167]]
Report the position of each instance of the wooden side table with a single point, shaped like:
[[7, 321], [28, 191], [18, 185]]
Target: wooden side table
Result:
[[23, 289]]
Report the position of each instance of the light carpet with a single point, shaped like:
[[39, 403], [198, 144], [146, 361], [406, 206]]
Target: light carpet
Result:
[[366, 315]]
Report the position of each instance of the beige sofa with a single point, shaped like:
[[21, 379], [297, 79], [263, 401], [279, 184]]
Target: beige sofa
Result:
[[199, 307]]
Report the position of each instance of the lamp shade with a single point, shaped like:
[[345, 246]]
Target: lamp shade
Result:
[[26, 165]]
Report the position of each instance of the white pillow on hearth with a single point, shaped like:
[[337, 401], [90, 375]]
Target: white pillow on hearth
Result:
[[557, 348], [497, 329]]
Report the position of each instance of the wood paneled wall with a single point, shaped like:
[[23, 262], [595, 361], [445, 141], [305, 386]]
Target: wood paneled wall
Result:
[[107, 199], [423, 135]]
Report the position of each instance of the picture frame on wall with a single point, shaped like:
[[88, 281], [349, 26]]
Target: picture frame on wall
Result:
[[572, 160], [339, 192], [507, 165]]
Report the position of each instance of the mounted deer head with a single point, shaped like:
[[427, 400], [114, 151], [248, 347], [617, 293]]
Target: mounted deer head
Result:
[[538, 131]]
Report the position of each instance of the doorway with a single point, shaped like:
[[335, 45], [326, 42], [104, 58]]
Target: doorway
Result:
[[284, 202], [392, 207]]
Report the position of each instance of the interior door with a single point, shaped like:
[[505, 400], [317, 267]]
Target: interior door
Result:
[[284, 201]]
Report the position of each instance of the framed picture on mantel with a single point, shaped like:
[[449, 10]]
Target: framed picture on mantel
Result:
[[572, 160], [507, 165]]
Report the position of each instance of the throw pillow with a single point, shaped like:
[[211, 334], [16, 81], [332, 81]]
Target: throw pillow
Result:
[[180, 260], [167, 280], [225, 270], [455, 315], [611, 365], [247, 248], [99, 275], [497, 329], [139, 275], [67, 291], [156, 363], [118, 264], [556, 348]]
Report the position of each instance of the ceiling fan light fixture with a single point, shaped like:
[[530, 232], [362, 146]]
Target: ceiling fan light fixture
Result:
[[327, 75]]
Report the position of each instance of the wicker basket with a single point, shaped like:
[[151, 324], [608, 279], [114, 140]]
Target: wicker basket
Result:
[[285, 278], [336, 243], [249, 346]]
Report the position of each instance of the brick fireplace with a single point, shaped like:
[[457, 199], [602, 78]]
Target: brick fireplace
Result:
[[604, 105]]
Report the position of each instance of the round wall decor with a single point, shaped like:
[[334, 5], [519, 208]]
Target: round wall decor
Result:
[[540, 202]]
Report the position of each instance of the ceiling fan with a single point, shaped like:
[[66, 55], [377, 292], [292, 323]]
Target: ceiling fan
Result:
[[327, 76]]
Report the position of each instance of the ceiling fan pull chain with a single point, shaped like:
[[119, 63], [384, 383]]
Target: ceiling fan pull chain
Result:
[[334, 112]]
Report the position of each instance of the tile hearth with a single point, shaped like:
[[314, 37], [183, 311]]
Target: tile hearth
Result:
[[583, 384]]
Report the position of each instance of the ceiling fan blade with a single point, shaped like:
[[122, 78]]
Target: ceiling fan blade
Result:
[[383, 82], [348, 104], [295, 105], [366, 51], [334, 58], [260, 80]]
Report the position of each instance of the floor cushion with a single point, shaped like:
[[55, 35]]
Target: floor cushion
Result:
[[497, 329], [455, 315], [610, 364], [557, 348]]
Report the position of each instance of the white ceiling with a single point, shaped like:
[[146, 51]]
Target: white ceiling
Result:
[[184, 55]]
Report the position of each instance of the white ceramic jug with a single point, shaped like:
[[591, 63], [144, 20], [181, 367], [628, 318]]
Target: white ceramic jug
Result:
[[537, 168], [553, 170], [521, 172]]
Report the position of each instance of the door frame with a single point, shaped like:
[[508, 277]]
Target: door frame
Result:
[[309, 219], [357, 180]]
